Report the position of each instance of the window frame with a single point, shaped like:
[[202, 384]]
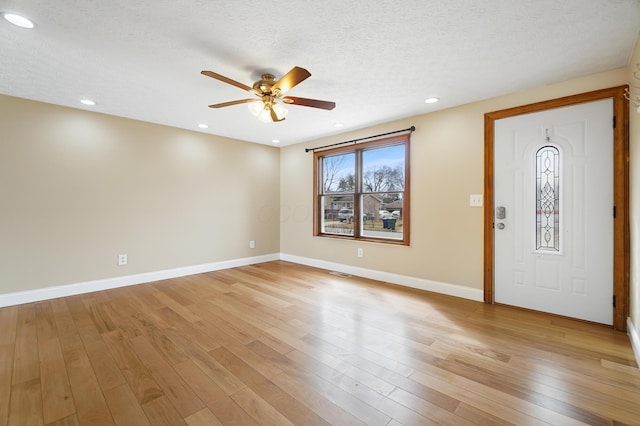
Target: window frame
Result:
[[358, 149]]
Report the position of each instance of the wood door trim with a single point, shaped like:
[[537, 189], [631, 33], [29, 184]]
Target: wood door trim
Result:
[[621, 251]]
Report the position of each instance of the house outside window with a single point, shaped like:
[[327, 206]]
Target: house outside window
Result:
[[362, 191]]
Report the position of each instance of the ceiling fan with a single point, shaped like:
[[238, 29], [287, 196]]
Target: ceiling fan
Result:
[[270, 93]]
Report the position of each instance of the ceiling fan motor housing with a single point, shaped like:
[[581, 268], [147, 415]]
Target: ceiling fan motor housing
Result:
[[265, 84]]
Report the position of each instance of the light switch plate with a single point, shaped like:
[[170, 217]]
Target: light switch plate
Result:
[[475, 200]]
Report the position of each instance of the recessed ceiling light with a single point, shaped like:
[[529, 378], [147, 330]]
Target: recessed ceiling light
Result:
[[87, 102], [18, 20], [276, 141], [431, 100], [203, 126], [338, 125]]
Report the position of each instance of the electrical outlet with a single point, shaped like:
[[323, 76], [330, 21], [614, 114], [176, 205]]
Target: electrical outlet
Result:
[[122, 259], [360, 252], [252, 244]]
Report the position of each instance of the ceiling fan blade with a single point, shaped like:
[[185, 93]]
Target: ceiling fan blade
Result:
[[314, 103], [290, 79], [230, 103], [226, 80]]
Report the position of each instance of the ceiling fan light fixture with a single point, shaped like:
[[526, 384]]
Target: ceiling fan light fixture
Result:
[[281, 111], [256, 107], [264, 113], [265, 116]]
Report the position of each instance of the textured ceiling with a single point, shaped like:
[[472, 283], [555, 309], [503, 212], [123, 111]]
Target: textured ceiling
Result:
[[378, 60]]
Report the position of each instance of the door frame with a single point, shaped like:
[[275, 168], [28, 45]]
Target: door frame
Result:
[[621, 251]]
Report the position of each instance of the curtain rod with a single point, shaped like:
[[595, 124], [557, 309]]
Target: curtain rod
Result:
[[409, 129]]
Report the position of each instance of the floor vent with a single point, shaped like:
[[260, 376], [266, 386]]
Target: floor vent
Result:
[[340, 274]]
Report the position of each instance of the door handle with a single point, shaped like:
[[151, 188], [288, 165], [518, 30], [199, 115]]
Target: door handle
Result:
[[501, 213], [500, 225]]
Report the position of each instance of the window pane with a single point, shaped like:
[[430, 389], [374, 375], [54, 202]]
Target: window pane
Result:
[[547, 199], [338, 173], [337, 215], [383, 169], [382, 215]]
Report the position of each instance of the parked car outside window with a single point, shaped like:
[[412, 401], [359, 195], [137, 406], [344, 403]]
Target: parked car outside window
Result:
[[345, 215]]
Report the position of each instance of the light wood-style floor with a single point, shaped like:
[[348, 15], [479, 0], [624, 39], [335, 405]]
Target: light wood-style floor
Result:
[[279, 343]]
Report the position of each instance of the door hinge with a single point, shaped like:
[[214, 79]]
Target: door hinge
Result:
[[614, 300], [614, 121], [614, 212]]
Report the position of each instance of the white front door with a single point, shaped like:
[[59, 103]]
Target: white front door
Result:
[[553, 223]]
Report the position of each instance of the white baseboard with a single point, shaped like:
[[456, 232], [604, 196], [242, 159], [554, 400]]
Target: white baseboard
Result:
[[46, 293], [403, 280], [635, 339]]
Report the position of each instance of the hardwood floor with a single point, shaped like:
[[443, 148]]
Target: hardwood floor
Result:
[[280, 344]]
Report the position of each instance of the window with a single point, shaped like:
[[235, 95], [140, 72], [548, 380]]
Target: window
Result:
[[548, 199], [362, 191]]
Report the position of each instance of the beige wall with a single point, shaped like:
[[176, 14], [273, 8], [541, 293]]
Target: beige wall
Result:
[[446, 167], [634, 178], [78, 188]]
